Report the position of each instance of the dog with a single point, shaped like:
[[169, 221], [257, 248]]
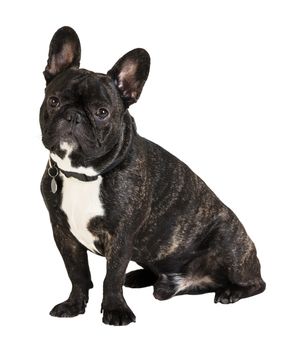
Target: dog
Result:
[[112, 192]]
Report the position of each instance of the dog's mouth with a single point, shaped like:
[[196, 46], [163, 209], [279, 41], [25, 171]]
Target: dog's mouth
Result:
[[57, 145], [82, 143], [69, 146]]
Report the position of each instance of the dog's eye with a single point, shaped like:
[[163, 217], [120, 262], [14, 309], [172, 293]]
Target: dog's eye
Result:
[[53, 102], [102, 113]]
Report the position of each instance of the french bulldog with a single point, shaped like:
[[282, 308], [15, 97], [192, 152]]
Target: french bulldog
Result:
[[112, 192]]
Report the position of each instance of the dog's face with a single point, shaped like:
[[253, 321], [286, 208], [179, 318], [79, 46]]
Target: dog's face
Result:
[[84, 109]]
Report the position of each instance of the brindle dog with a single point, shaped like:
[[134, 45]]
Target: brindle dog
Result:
[[119, 195]]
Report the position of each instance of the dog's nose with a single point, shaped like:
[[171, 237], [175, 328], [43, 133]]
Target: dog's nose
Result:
[[74, 117]]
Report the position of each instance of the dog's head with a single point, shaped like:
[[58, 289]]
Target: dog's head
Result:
[[83, 111]]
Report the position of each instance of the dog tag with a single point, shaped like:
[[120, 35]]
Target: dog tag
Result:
[[53, 185]]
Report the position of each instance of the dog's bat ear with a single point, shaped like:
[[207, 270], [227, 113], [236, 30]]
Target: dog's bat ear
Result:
[[64, 52], [130, 73]]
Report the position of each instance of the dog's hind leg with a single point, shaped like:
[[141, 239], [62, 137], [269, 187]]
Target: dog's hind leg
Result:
[[240, 265], [244, 280]]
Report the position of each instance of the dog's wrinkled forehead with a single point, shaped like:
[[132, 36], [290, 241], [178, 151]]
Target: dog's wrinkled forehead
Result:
[[81, 83]]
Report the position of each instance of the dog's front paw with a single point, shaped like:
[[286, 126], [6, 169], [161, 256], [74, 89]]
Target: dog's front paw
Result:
[[68, 309], [119, 316]]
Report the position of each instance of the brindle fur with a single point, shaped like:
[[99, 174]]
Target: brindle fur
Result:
[[161, 215]]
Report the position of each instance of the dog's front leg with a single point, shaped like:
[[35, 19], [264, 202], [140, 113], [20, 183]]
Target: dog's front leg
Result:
[[114, 307], [76, 262]]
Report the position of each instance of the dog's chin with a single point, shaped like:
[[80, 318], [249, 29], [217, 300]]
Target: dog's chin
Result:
[[62, 145], [83, 148], [82, 152]]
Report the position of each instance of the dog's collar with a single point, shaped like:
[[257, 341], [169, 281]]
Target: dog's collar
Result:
[[53, 168], [54, 171]]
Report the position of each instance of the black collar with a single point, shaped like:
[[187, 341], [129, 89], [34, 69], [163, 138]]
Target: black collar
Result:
[[54, 170]]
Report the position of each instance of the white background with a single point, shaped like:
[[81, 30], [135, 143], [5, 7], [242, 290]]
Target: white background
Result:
[[220, 97]]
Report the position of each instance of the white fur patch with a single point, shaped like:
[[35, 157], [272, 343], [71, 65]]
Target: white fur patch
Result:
[[81, 203], [185, 282], [65, 163]]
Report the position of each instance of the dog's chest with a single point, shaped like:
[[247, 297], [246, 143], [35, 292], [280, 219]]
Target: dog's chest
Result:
[[81, 202]]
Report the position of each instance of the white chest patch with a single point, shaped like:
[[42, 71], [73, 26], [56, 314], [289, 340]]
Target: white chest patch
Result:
[[81, 202]]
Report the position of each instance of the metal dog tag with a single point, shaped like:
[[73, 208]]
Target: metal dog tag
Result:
[[53, 185]]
